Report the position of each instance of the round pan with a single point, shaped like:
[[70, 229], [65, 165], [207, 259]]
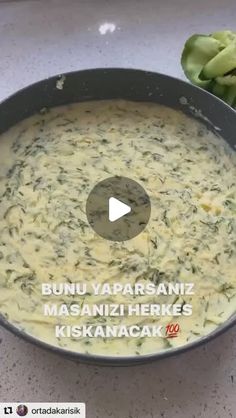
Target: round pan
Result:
[[130, 84]]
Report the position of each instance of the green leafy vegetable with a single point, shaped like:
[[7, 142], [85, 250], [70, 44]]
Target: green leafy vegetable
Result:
[[209, 61]]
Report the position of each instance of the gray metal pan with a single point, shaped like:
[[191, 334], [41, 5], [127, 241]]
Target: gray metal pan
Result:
[[130, 84]]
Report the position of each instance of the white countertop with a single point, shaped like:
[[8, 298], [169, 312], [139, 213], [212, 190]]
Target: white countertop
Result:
[[39, 39]]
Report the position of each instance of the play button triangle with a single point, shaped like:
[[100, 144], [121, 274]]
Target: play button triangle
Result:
[[117, 209]]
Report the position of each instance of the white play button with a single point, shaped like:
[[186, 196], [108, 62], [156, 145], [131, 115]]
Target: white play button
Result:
[[117, 209]]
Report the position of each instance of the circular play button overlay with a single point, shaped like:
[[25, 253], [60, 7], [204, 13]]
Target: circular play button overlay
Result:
[[118, 208]]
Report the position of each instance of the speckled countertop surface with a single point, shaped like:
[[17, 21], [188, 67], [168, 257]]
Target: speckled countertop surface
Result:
[[41, 38]]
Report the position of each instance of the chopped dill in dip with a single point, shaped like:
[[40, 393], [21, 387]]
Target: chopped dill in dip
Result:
[[48, 165]]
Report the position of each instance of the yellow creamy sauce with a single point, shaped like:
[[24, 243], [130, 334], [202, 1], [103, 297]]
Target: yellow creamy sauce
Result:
[[48, 165]]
